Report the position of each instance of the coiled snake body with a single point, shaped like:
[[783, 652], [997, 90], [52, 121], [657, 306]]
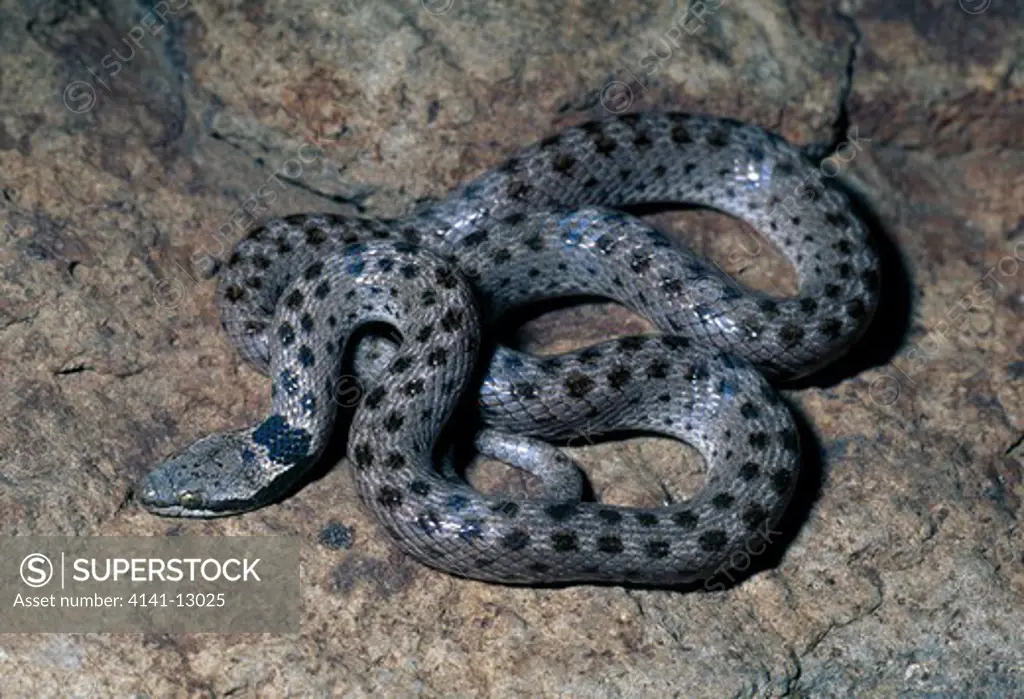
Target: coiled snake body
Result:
[[296, 290]]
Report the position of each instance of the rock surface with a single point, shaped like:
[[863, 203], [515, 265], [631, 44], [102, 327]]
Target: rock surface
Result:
[[899, 571]]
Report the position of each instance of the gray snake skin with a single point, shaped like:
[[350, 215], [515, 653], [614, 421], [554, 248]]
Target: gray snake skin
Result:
[[297, 291]]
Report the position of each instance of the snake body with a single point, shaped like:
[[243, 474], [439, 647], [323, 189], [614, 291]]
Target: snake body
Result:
[[544, 224]]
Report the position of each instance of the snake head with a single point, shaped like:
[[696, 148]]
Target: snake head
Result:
[[216, 476]]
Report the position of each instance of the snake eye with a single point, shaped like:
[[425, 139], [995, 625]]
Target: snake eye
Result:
[[190, 499]]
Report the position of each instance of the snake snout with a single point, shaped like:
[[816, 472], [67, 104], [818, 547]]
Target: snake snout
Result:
[[156, 492], [161, 492]]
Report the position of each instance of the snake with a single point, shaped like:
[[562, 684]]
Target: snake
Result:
[[415, 303]]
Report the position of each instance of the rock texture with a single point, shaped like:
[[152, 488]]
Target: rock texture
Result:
[[899, 571]]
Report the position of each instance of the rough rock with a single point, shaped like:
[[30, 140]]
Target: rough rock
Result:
[[899, 570]]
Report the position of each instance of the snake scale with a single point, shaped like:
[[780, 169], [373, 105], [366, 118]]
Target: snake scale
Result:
[[546, 223]]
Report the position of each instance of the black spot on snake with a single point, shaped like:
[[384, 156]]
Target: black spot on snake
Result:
[[374, 397], [790, 335], [754, 516], [414, 387], [713, 541], [363, 456], [855, 309], [769, 306], [749, 471], [525, 389], [831, 328], [633, 343], [437, 357], [451, 320], [723, 501], [389, 497], [647, 519], [781, 481], [717, 138], [619, 377], [658, 369], [561, 511], [578, 385], [657, 549], [697, 372], [564, 541], [313, 271], [394, 421], [475, 238], [516, 540], [284, 444], [685, 519], [517, 189], [563, 162], [610, 544], [673, 286], [680, 135], [286, 334]]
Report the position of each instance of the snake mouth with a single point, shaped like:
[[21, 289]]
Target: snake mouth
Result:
[[189, 504], [163, 508], [153, 502], [181, 512]]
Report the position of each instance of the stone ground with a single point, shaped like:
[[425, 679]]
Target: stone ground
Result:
[[899, 571]]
